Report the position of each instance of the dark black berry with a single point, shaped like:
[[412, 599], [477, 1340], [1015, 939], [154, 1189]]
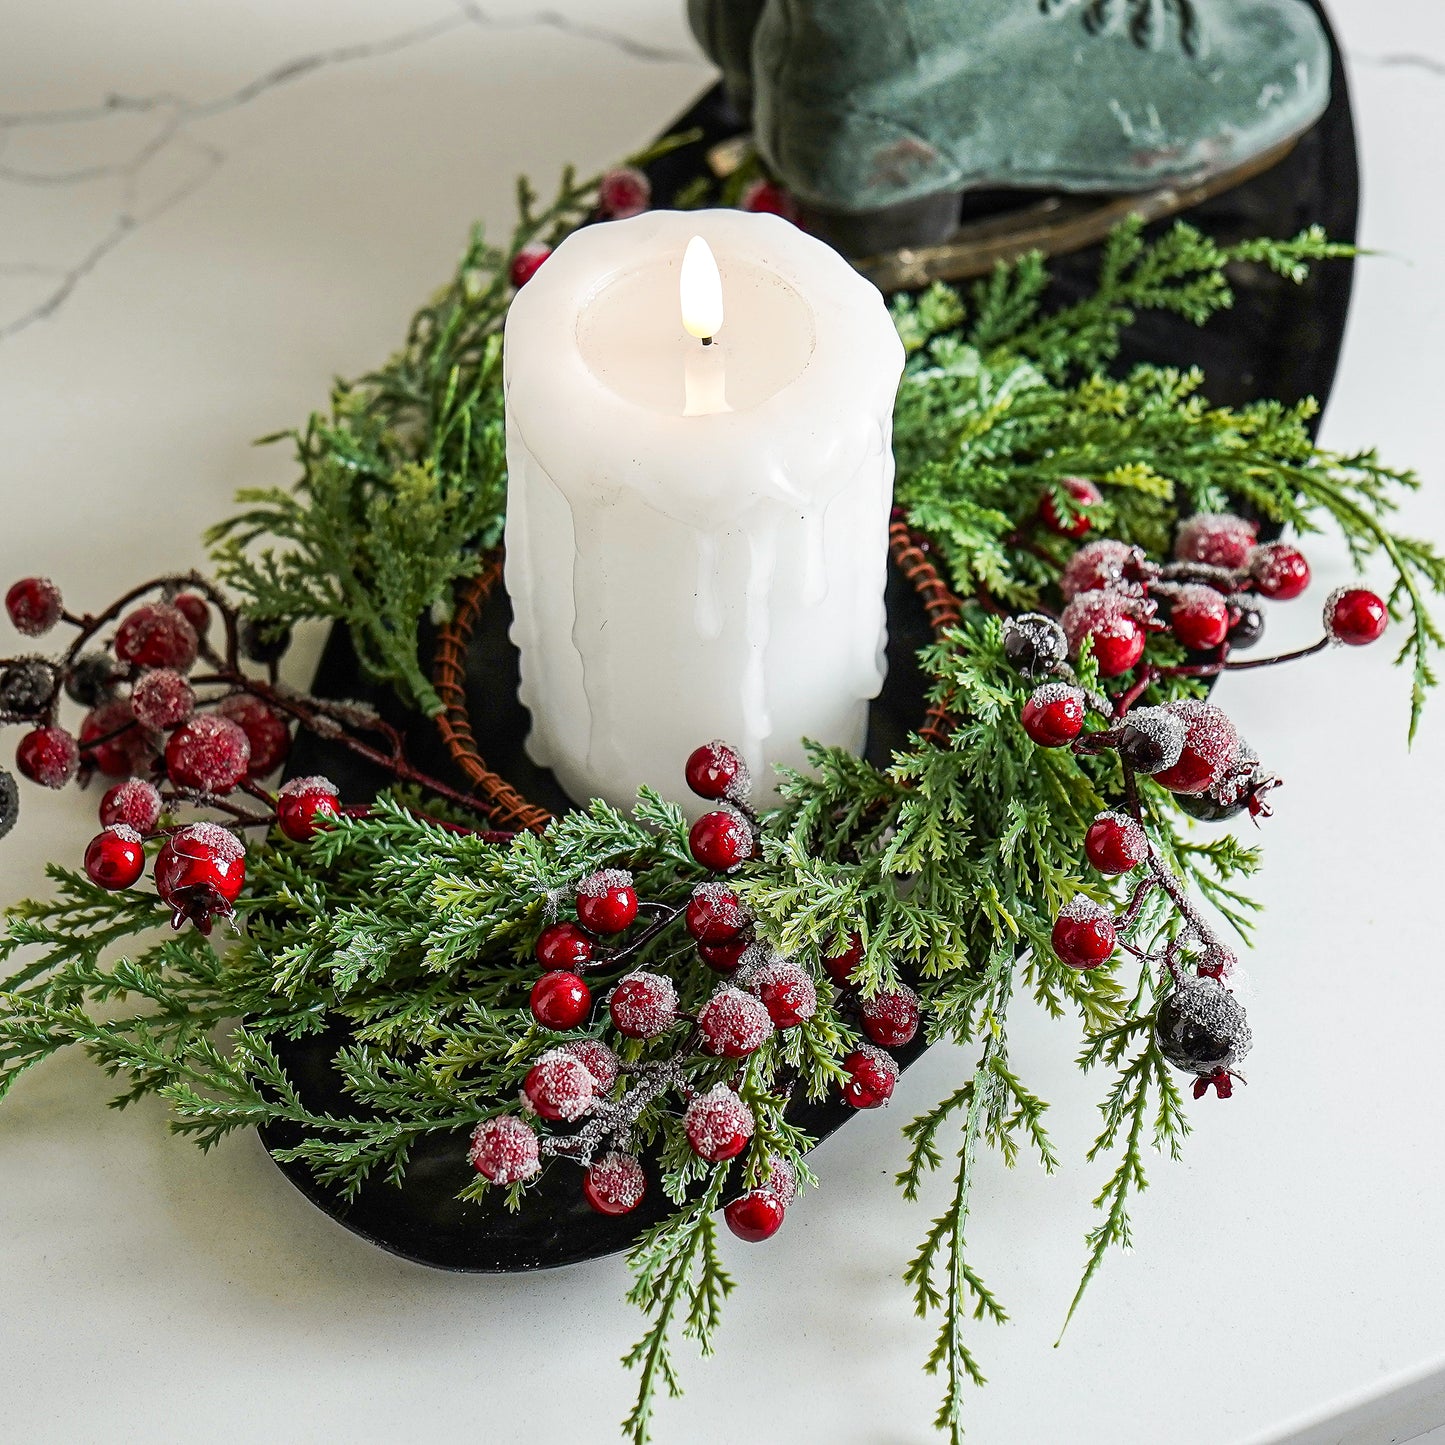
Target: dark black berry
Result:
[[92, 679], [9, 802], [26, 687], [1201, 1028], [1152, 740], [1035, 645], [263, 640], [1208, 809], [1248, 625]]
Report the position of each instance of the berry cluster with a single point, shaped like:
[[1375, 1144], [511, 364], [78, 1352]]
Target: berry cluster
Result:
[[1207, 597]]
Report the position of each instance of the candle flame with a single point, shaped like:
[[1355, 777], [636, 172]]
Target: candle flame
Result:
[[700, 291]]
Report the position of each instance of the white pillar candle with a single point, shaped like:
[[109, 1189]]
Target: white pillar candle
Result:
[[697, 534]]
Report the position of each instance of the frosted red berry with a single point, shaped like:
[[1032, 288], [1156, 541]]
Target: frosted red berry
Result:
[[716, 771], [48, 756], [156, 634], [607, 901], [162, 699], [724, 957], [1355, 616], [599, 1060], [1054, 716], [34, 605], [1115, 843], [721, 840], [115, 858], [871, 1077], [890, 1017], [195, 609], [615, 1183], [785, 990], [1083, 934], [718, 1124], [1279, 571], [112, 742], [756, 1215], [266, 730], [306, 805], [1215, 539], [715, 914], [558, 1087], [200, 873], [622, 192], [769, 199], [1110, 620], [560, 1000], [1083, 494], [840, 966], [563, 945], [643, 1005], [504, 1149], [1199, 617], [733, 1024], [1211, 745], [134, 803], [209, 754], [1106, 563], [526, 263]]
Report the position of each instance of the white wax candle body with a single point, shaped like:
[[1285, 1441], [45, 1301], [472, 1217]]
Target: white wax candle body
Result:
[[675, 577]]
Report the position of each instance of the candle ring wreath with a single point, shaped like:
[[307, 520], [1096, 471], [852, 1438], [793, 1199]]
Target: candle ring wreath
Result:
[[491, 1034]]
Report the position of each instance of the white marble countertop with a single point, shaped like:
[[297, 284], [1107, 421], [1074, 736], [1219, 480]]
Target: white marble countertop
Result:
[[205, 212]]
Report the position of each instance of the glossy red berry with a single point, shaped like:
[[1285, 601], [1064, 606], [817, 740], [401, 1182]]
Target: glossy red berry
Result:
[[1115, 843], [1083, 935], [560, 1000], [1355, 616], [112, 742], [643, 1005], [134, 803], [1215, 539], [721, 840], [733, 1024], [195, 609], [890, 1017], [209, 754], [1054, 715], [162, 699], [1084, 495], [1279, 571], [715, 771], [607, 901], [157, 634], [559, 1086], [115, 858], [564, 946], [1199, 618], [723, 957], [306, 805], [622, 192], [199, 874], [48, 756], [34, 605], [1111, 620], [840, 966], [871, 1077], [715, 914], [756, 1215], [785, 990], [504, 1149], [266, 730], [526, 263], [615, 1183], [1211, 745], [718, 1124]]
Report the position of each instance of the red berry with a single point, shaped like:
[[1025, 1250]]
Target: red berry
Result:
[[718, 1124], [112, 742], [1115, 843], [890, 1018], [1216, 539], [600, 1061], [162, 699], [871, 1077], [840, 966], [1054, 715], [715, 771], [756, 1216], [200, 873], [1105, 563], [527, 262], [624, 191], [1279, 571], [266, 730], [786, 991], [156, 634], [1111, 620], [1211, 746], [504, 1149], [714, 914], [115, 858], [306, 805], [1199, 617], [614, 1184], [769, 199], [194, 608], [209, 754], [563, 945], [607, 901], [560, 1000], [781, 1179], [1355, 617], [1083, 935], [135, 803], [721, 840], [643, 1005], [558, 1086], [733, 1024], [723, 957], [48, 756], [1083, 494], [34, 605]]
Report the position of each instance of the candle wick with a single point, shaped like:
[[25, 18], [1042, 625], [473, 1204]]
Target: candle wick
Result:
[[707, 340]]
